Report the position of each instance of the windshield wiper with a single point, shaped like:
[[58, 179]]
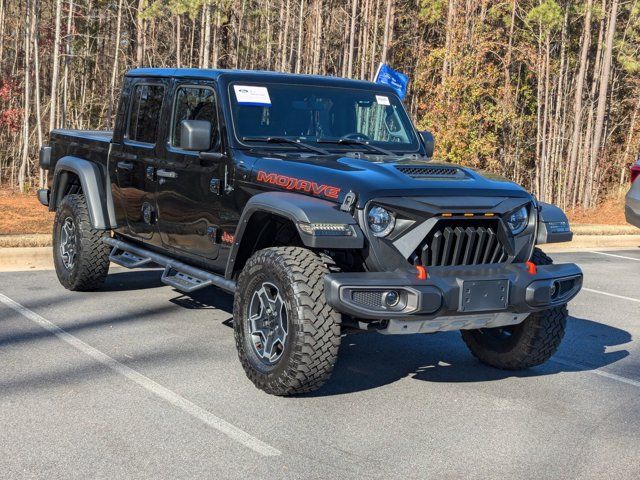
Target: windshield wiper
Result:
[[355, 141], [297, 143]]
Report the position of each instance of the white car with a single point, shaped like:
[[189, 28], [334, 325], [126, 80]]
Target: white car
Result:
[[632, 200]]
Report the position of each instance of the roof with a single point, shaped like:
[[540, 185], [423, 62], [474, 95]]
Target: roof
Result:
[[251, 75]]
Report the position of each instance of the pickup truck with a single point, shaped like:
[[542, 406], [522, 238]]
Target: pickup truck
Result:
[[317, 204]]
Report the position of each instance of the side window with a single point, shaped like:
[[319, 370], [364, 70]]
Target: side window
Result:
[[195, 103], [145, 113]]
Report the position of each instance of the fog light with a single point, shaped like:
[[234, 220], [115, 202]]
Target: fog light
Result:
[[391, 298], [553, 291]]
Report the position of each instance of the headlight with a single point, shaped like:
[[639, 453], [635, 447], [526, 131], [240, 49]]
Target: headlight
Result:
[[381, 221], [518, 220]]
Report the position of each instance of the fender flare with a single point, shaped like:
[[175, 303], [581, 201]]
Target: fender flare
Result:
[[553, 225], [299, 209], [94, 188]]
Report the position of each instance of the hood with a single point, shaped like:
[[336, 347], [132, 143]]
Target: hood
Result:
[[370, 176]]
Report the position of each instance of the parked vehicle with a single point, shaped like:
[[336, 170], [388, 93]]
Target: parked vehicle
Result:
[[632, 199], [316, 203]]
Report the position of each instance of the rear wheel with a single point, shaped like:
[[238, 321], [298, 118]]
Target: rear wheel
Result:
[[526, 344], [80, 258], [286, 334]]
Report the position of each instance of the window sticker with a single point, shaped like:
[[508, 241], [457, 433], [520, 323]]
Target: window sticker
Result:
[[251, 95], [382, 100]]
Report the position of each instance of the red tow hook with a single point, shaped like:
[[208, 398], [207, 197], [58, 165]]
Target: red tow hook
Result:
[[531, 267], [422, 272]]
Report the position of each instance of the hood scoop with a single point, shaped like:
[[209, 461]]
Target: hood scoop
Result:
[[431, 171]]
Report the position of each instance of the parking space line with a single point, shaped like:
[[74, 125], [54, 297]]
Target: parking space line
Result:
[[611, 294], [170, 396], [614, 255], [602, 373]]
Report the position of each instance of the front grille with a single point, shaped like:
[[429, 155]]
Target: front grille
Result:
[[369, 298], [461, 243], [422, 171]]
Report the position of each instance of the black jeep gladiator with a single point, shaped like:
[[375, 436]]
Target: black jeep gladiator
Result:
[[316, 203]]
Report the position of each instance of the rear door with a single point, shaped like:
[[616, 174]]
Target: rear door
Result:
[[137, 157], [189, 188]]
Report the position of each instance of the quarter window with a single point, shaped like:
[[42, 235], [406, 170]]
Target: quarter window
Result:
[[145, 113], [195, 103]]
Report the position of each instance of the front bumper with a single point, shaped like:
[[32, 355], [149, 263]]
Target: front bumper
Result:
[[453, 291]]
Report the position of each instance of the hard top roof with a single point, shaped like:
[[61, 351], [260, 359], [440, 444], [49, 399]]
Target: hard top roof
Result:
[[252, 75]]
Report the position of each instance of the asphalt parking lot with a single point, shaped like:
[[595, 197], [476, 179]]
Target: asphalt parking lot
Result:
[[138, 380]]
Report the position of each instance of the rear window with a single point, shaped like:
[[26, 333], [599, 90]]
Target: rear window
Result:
[[145, 113]]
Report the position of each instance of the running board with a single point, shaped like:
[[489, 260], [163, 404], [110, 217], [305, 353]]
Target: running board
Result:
[[177, 274], [182, 281], [127, 259]]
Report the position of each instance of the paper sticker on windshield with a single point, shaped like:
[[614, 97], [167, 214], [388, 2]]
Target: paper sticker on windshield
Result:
[[251, 95], [382, 100]]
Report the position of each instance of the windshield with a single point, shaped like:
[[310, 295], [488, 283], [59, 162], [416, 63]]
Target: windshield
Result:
[[320, 114]]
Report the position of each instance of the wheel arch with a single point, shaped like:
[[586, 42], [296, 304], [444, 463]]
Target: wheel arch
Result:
[[553, 225], [73, 174], [265, 210]]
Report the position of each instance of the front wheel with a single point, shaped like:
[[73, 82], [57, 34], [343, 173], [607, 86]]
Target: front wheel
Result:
[[286, 334], [526, 344]]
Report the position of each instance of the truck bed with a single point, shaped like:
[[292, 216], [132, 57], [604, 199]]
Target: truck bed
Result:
[[98, 135], [92, 145]]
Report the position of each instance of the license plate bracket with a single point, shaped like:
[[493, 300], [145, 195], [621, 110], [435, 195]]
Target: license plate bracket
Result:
[[484, 295]]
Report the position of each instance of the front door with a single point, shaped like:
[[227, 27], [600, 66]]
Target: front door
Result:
[[136, 158], [190, 188]]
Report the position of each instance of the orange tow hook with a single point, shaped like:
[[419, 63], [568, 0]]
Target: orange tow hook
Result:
[[531, 267], [422, 272]]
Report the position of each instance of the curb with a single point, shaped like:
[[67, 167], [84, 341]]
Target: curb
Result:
[[14, 259], [589, 242], [25, 258]]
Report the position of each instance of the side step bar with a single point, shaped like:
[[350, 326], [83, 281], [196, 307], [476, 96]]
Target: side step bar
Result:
[[177, 274]]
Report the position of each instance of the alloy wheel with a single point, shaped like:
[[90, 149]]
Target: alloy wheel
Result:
[[268, 323]]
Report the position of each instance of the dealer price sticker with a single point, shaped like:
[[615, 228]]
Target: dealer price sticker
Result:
[[252, 95]]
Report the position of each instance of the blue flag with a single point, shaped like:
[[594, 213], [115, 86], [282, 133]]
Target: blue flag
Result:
[[396, 80]]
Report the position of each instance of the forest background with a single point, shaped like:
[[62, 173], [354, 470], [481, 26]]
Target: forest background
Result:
[[544, 92]]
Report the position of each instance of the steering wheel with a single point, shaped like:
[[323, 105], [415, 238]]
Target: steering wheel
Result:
[[356, 136]]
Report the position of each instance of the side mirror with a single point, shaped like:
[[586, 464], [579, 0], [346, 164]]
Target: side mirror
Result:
[[429, 142], [195, 135]]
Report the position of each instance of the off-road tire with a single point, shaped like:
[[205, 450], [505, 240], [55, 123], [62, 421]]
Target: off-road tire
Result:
[[313, 338], [529, 343], [92, 256]]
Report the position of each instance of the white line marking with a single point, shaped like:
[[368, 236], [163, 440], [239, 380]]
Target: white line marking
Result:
[[170, 396], [611, 295], [617, 256], [602, 373]]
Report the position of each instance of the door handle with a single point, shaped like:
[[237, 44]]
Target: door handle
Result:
[[166, 173], [125, 165]]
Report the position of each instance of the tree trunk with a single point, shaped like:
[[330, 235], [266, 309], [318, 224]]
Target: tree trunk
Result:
[[140, 34], [602, 100], [300, 25], [55, 68], [67, 61], [577, 102], [178, 24], [114, 70], [22, 173], [206, 53], [35, 14], [386, 39]]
